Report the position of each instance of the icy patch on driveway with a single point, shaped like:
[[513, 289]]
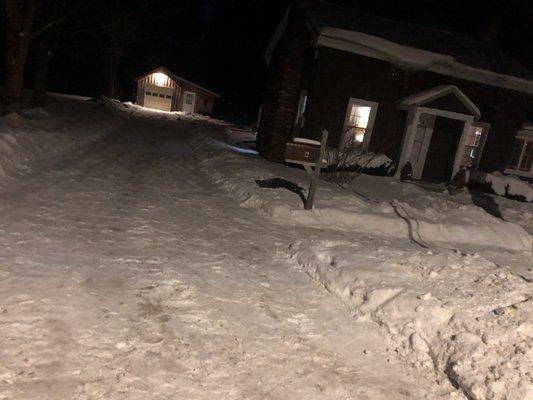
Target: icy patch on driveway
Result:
[[458, 313], [343, 210]]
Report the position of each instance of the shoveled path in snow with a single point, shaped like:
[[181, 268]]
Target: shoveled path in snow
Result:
[[126, 274]]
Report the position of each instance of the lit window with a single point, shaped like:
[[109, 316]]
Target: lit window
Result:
[[521, 159], [473, 145], [359, 121]]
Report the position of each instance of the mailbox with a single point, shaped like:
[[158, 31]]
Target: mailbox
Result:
[[302, 152], [309, 153]]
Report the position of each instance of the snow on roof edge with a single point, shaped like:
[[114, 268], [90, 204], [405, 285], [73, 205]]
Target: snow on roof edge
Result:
[[395, 53], [177, 78]]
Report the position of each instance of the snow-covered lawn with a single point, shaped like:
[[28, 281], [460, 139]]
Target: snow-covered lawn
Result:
[[375, 205], [449, 304], [149, 264]]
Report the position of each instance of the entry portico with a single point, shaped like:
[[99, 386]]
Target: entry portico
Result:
[[439, 125]]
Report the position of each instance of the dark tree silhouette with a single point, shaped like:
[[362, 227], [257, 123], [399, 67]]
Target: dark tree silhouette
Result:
[[18, 25], [30, 21]]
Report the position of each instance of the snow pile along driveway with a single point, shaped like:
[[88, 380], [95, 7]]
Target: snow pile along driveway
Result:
[[39, 135], [341, 209], [456, 313]]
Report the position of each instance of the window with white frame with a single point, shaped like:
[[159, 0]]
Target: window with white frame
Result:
[[521, 160], [189, 98], [474, 143], [359, 121]]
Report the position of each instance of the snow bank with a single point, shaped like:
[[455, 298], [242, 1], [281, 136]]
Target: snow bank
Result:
[[36, 113], [460, 314], [68, 96], [341, 209], [38, 135], [143, 112], [519, 213]]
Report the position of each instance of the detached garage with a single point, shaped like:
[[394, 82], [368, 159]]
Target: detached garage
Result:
[[162, 90]]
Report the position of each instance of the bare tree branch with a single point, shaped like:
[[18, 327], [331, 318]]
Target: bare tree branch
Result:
[[59, 21]]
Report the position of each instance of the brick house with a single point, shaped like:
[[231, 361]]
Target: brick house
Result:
[[437, 100]]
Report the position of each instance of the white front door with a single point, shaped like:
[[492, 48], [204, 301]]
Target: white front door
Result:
[[158, 97], [421, 144], [189, 101]]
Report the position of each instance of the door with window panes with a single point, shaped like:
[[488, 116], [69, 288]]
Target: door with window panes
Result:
[[189, 101], [475, 140]]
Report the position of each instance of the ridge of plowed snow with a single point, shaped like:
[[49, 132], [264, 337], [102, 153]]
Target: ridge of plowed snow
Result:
[[458, 313], [337, 209], [38, 136]]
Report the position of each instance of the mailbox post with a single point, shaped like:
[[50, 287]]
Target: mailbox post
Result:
[[310, 154]]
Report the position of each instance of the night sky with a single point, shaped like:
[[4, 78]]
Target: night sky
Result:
[[219, 43]]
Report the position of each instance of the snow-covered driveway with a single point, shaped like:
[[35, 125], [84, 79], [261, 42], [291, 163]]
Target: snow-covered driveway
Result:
[[126, 274]]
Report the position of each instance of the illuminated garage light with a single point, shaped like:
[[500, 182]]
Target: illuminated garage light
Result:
[[160, 79]]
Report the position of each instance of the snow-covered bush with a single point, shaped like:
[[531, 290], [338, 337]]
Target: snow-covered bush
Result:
[[367, 160], [504, 185], [347, 161]]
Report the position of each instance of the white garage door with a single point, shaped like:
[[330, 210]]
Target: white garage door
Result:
[[158, 97]]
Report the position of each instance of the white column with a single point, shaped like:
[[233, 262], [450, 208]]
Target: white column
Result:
[[411, 124], [461, 146]]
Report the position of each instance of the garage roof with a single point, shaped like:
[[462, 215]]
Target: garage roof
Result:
[[178, 80]]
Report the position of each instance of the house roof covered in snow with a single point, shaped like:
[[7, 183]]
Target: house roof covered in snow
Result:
[[178, 79], [416, 47]]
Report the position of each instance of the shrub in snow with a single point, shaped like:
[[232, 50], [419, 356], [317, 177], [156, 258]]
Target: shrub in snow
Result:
[[407, 171], [457, 183], [504, 185], [349, 160]]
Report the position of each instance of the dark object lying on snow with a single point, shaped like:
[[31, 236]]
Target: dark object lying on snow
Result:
[[276, 183]]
